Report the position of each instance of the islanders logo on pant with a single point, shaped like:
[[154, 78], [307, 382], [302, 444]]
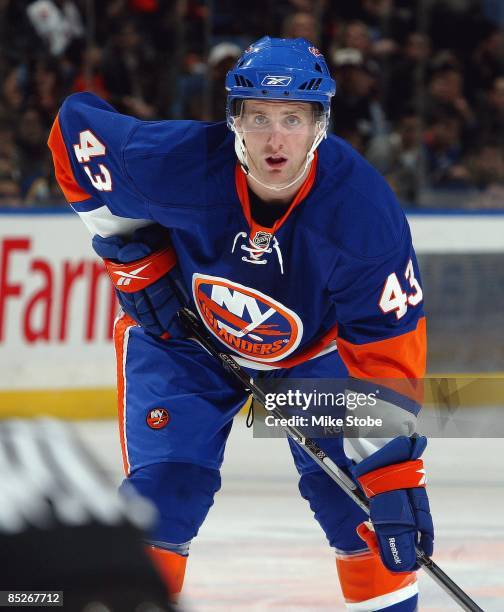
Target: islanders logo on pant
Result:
[[250, 323]]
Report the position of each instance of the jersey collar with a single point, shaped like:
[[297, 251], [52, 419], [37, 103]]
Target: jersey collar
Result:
[[243, 195]]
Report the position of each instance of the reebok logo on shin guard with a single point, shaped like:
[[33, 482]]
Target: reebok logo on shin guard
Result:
[[394, 551]]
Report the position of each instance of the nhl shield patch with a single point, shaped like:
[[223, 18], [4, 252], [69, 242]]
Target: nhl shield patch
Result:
[[262, 239]]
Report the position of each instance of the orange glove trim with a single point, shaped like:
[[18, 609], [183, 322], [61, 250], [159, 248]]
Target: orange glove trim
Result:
[[136, 275], [405, 475]]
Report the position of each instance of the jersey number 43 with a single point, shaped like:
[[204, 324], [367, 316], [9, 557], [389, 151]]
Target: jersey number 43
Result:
[[393, 298], [89, 146]]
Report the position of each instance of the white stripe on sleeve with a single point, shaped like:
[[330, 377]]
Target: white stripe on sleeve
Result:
[[103, 222]]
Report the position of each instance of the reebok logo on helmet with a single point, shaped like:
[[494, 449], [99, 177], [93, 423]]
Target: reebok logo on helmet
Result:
[[276, 81]]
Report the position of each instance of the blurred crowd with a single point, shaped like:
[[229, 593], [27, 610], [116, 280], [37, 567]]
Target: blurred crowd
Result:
[[420, 83]]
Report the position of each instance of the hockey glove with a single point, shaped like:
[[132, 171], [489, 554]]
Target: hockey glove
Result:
[[393, 479], [146, 277]]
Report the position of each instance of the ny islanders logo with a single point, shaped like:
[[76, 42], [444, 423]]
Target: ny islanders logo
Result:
[[157, 418], [250, 323]]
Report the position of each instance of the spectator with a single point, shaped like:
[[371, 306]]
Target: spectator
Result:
[[399, 157], [486, 170], [147, 59], [45, 87], [7, 142], [242, 22], [13, 92], [382, 22], [130, 73], [18, 41], [494, 11], [90, 77], [221, 58], [191, 101], [10, 193], [445, 96], [487, 61], [112, 13], [356, 35], [301, 25], [31, 141], [490, 113], [443, 147], [486, 165], [56, 22], [408, 74], [356, 106]]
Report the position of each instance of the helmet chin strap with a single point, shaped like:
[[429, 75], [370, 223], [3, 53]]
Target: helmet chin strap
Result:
[[241, 153]]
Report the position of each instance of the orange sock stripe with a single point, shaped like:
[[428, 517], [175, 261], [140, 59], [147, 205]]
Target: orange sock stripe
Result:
[[170, 566], [120, 329], [363, 576]]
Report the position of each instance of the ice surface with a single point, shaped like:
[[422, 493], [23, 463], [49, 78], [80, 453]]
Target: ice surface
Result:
[[260, 549]]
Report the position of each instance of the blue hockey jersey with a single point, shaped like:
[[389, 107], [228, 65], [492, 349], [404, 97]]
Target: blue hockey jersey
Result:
[[336, 270]]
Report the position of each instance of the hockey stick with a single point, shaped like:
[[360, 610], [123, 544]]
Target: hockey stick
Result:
[[193, 324]]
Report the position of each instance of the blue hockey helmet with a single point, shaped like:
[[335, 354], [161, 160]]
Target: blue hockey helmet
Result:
[[290, 69]]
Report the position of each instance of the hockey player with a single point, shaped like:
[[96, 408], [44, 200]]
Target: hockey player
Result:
[[298, 259]]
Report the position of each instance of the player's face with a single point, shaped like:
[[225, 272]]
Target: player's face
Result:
[[278, 135]]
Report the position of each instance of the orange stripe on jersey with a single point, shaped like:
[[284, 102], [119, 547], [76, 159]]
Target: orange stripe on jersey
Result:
[[122, 325], [399, 357], [363, 576], [63, 168], [243, 195]]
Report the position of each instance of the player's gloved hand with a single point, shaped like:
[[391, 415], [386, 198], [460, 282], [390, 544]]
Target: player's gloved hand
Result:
[[144, 271], [393, 479]]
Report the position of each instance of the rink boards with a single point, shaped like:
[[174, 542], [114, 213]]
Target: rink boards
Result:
[[57, 308]]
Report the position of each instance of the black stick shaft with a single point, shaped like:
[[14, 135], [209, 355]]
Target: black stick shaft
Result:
[[193, 324]]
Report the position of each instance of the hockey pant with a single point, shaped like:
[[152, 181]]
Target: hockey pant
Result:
[[176, 407]]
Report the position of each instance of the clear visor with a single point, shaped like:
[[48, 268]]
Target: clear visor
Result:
[[286, 122]]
